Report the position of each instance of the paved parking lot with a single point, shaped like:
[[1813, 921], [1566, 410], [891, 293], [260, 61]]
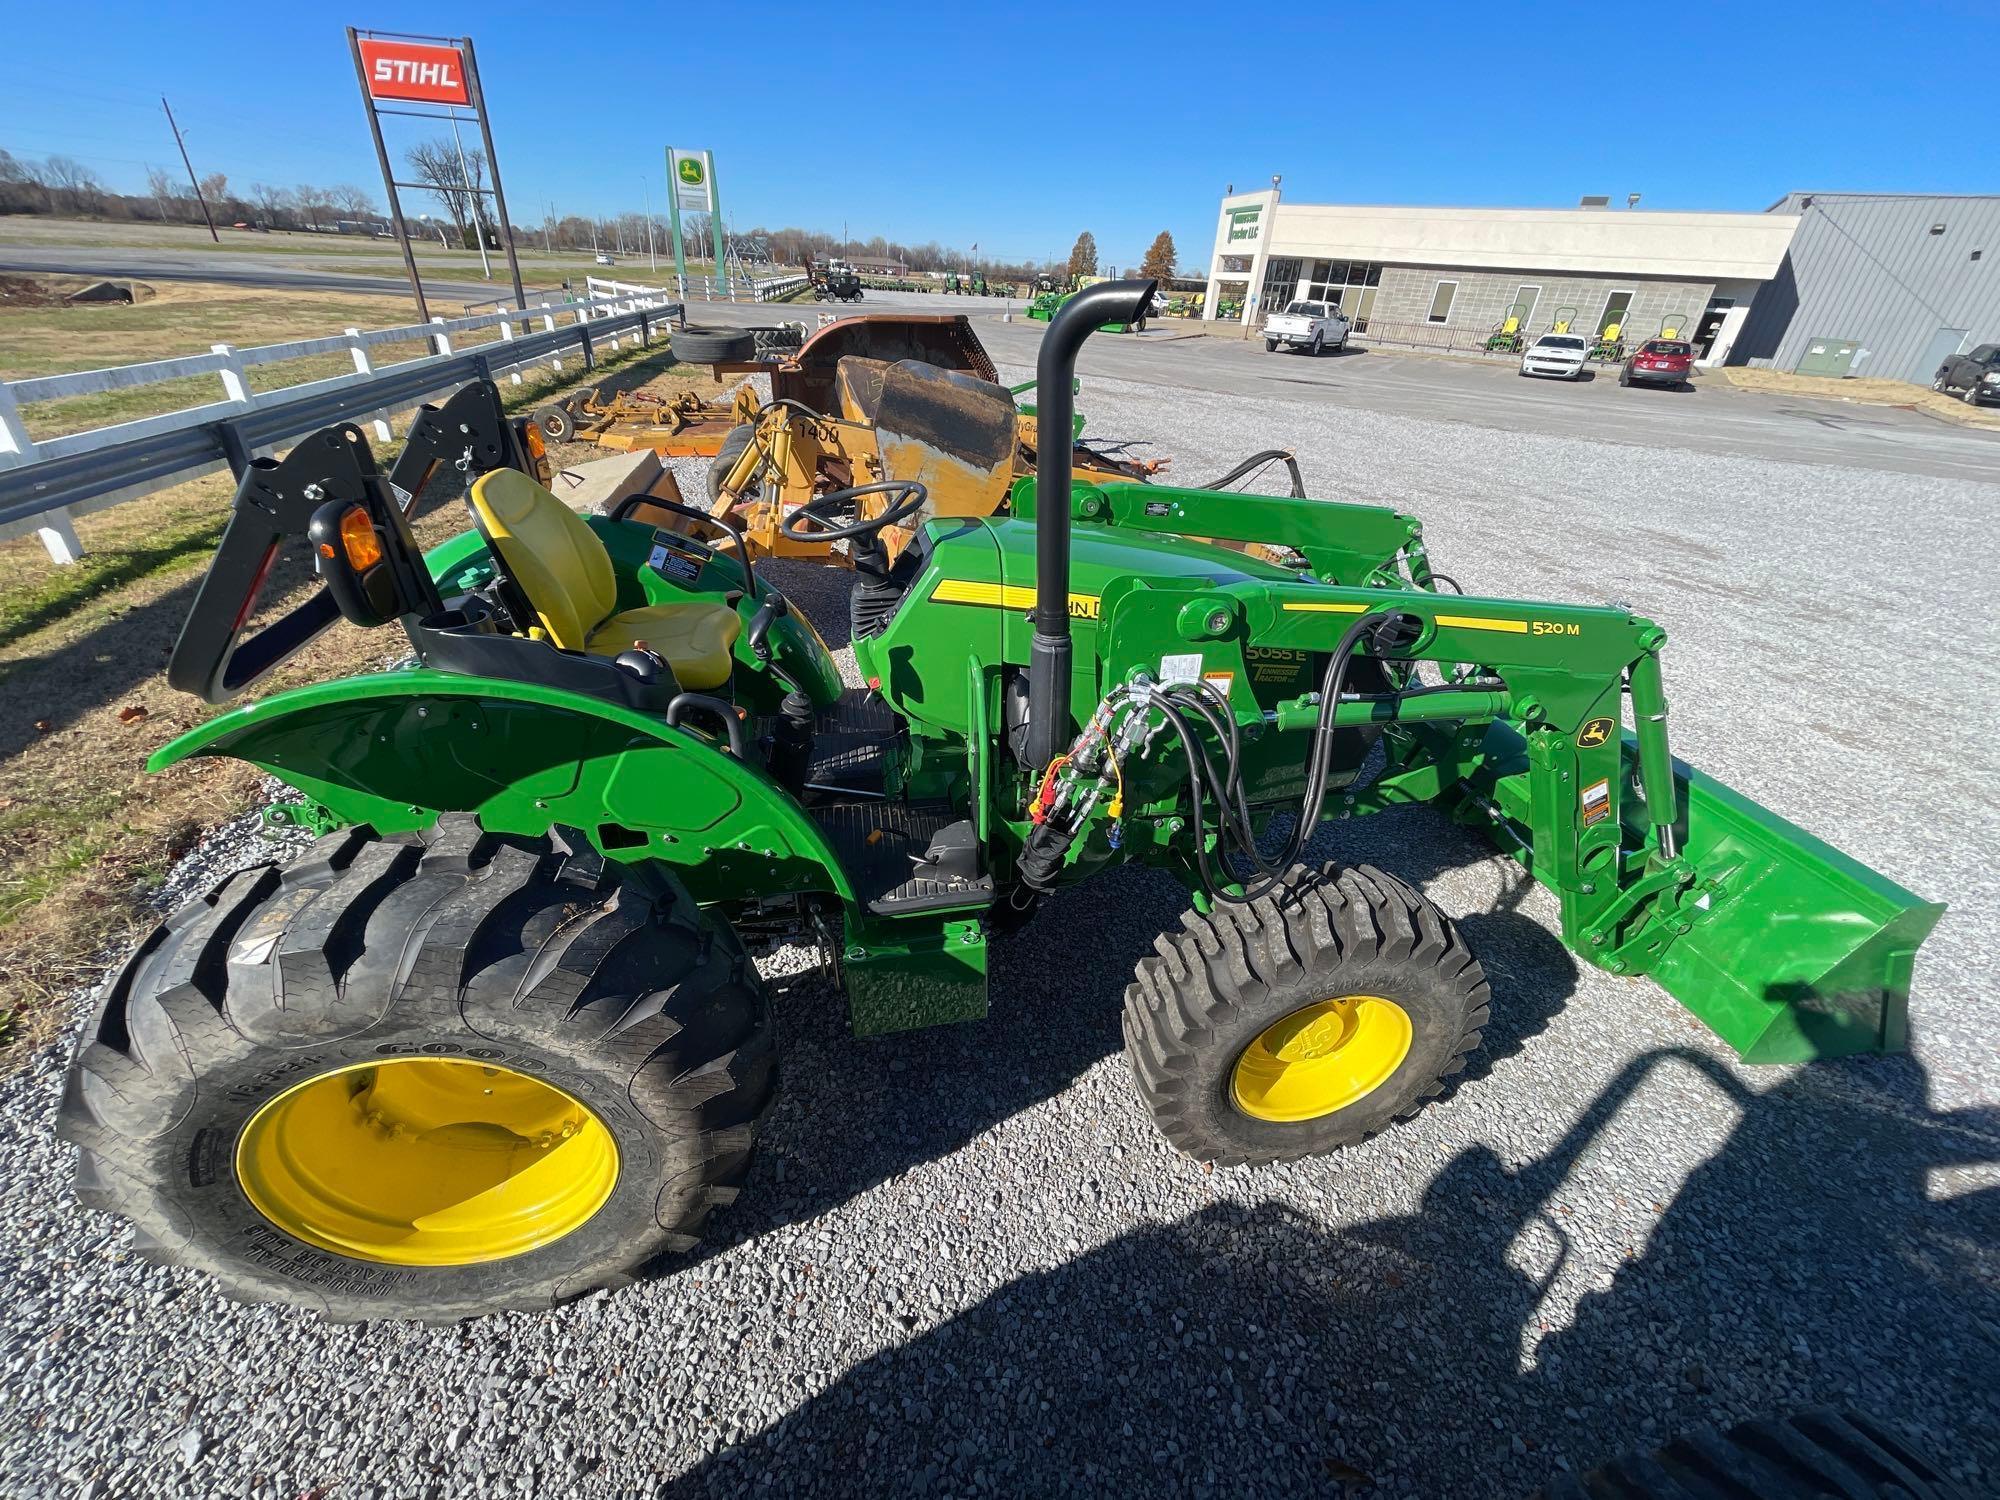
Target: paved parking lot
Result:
[[1714, 417], [965, 1264]]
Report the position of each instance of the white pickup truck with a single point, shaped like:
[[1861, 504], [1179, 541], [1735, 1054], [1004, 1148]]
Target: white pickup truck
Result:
[[1311, 326]]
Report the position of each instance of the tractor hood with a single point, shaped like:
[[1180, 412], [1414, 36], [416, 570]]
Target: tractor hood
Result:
[[1101, 559]]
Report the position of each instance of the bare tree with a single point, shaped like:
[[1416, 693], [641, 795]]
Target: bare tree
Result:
[[10, 169], [166, 191], [352, 202], [273, 203], [438, 166], [69, 177], [312, 204]]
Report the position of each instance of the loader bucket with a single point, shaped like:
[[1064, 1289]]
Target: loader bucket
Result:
[[1793, 950], [952, 431], [1803, 952]]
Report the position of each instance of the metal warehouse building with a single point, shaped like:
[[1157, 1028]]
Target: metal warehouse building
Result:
[[1422, 275], [1884, 284]]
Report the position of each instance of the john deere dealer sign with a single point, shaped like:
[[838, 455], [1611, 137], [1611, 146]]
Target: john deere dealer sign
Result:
[[694, 193]]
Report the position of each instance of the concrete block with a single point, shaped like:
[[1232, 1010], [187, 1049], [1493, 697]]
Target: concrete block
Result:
[[593, 488]]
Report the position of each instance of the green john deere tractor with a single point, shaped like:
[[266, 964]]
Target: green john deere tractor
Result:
[[493, 1040]]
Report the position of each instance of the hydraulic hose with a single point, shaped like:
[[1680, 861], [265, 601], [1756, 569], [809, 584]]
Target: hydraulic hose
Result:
[[1258, 461]]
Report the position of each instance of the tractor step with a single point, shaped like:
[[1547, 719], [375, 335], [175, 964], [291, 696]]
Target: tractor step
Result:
[[906, 857], [851, 744]]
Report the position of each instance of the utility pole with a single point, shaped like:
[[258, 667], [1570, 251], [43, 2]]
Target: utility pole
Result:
[[652, 252], [193, 182]]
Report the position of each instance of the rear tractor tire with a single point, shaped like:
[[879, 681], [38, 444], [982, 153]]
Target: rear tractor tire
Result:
[[1306, 1021], [428, 1077]]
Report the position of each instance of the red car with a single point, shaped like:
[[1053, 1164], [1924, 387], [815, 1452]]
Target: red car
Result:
[[1659, 362]]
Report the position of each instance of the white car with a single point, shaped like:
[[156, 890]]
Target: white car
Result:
[[1311, 326], [1559, 354]]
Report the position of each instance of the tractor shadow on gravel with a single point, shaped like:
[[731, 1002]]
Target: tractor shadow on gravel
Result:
[[1461, 1349]]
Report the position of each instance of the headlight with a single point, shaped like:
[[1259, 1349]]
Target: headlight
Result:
[[1994, 378]]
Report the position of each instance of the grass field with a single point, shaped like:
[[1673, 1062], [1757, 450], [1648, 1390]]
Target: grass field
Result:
[[1867, 391], [40, 336], [347, 251], [85, 833]]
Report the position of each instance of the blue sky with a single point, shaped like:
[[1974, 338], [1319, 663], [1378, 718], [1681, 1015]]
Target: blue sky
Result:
[[1016, 128]]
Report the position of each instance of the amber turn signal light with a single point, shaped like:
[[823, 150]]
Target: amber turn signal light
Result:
[[358, 539]]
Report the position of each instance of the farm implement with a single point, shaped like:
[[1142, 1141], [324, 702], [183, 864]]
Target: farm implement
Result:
[[493, 1040]]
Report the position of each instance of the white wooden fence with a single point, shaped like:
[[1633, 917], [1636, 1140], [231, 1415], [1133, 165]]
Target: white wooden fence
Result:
[[231, 365]]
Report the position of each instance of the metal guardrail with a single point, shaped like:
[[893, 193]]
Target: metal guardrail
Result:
[[44, 485]]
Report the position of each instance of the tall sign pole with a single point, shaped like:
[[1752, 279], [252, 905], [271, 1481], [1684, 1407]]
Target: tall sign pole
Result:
[[674, 218], [691, 189], [493, 166], [715, 222], [388, 177]]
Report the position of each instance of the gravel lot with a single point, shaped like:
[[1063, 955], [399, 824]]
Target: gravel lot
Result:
[[965, 1264]]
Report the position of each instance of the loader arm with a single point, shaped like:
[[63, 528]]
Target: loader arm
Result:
[[1786, 947]]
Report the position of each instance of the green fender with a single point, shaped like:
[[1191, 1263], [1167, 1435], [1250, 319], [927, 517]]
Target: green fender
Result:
[[395, 749]]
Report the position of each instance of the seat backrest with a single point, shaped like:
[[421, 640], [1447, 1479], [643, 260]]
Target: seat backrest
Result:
[[549, 553]]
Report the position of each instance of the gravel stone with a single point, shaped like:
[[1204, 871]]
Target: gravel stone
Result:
[[966, 1262]]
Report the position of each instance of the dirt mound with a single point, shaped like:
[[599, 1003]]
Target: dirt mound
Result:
[[29, 291]]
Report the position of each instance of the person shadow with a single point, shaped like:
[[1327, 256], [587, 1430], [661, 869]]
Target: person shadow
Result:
[[1834, 1248]]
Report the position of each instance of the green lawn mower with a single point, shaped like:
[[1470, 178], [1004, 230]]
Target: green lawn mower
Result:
[[1609, 345], [494, 1040], [1508, 336]]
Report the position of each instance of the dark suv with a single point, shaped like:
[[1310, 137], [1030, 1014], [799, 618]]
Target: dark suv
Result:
[[1975, 376]]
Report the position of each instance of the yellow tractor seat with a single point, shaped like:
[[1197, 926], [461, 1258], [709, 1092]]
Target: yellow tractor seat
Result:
[[560, 566]]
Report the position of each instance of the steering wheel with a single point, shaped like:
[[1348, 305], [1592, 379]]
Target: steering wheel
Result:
[[835, 514]]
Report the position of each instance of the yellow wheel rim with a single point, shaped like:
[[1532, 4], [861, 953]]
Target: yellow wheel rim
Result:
[[1321, 1058], [426, 1161]]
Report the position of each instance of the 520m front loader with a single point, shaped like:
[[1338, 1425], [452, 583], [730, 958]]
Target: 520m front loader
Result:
[[493, 1040]]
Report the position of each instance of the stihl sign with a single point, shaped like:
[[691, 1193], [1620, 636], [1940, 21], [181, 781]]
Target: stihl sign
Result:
[[414, 71]]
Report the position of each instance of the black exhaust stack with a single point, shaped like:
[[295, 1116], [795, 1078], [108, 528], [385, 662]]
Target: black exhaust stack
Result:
[[1049, 723]]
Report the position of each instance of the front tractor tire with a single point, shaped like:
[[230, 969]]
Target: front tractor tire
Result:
[[1308, 1020], [425, 1077]]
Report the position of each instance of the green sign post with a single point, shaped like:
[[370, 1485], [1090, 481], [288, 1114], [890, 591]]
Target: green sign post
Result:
[[691, 183]]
